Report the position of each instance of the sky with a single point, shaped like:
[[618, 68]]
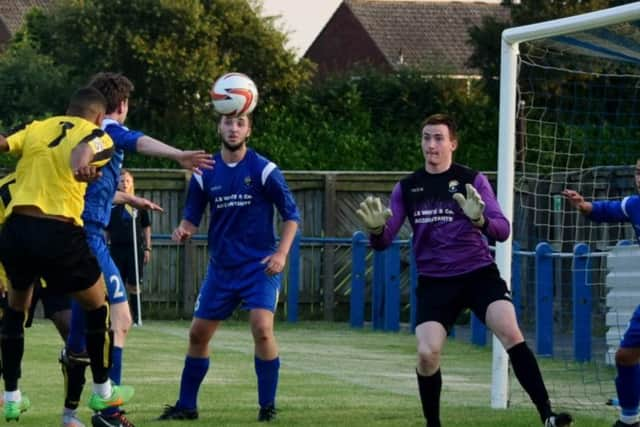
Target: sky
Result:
[[301, 19]]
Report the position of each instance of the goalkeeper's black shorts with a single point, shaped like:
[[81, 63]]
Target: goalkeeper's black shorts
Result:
[[442, 299], [31, 248]]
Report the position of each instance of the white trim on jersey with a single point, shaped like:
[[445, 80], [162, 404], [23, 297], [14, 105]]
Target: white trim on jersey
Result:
[[198, 179], [623, 205], [267, 171]]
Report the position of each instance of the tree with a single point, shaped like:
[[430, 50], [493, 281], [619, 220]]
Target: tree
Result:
[[171, 50], [486, 38]]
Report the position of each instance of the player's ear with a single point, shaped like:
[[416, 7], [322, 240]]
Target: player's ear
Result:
[[99, 118]]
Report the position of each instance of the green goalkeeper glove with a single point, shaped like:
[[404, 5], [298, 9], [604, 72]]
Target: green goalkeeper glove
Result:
[[373, 215], [472, 206]]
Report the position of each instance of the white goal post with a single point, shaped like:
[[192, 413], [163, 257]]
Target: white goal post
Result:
[[511, 38]]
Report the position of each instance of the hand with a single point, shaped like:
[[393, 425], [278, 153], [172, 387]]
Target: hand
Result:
[[577, 201], [87, 173], [373, 215], [275, 263], [144, 204], [472, 206], [147, 257], [181, 234], [196, 160]]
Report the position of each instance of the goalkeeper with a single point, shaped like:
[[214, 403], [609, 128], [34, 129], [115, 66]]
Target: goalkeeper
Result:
[[628, 354], [453, 211]]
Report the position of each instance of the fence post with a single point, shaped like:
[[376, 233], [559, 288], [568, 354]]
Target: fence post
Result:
[[544, 299], [582, 302], [293, 281], [377, 297], [358, 265], [413, 285], [328, 256], [516, 279], [392, 288]]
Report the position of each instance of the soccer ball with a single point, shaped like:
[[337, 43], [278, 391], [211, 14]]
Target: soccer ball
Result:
[[234, 94]]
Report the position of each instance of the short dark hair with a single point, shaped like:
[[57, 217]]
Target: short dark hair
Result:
[[114, 86], [443, 119], [87, 102]]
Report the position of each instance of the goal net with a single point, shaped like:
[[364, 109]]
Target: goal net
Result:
[[569, 119]]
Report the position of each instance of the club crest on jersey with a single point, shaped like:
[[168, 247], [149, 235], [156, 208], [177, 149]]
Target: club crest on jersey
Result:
[[247, 181], [453, 186]]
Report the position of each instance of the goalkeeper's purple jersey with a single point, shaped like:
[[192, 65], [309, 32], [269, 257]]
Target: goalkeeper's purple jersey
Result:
[[99, 197], [445, 242], [625, 210], [241, 198]]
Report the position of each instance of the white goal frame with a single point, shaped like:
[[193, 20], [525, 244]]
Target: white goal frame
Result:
[[511, 38]]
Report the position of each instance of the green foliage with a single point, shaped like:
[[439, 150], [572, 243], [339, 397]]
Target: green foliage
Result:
[[171, 50], [372, 121]]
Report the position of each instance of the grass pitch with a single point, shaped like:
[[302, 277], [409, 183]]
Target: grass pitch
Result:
[[331, 375]]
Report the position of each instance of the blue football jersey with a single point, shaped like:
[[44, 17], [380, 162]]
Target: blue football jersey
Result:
[[241, 198], [99, 197], [625, 210]]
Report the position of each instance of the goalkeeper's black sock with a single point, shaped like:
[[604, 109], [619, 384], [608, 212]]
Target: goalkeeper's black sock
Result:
[[525, 366], [430, 388], [12, 346]]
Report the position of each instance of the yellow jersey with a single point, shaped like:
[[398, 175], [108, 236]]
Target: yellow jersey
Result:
[[44, 177]]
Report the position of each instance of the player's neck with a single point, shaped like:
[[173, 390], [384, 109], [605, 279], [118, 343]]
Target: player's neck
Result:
[[437, 168], [235, 156]]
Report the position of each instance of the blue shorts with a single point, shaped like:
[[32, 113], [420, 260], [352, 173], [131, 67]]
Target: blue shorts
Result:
[[98, 244], [631, 338], [223, 289]]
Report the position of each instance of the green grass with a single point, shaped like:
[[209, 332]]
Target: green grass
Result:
[[331, 375]]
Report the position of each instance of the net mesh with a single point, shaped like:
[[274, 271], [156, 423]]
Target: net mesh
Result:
[[577, 128]]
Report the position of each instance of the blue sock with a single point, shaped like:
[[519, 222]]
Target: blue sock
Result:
[[195, 369], [76, 341], [115, 373], [628, 388], [267, 372]]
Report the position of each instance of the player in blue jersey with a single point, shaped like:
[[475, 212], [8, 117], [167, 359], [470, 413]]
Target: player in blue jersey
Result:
[[117, 89], [453, 211], [245, 262], [628, 354]]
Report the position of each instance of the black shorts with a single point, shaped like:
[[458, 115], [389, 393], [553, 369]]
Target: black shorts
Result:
[[57, 251], [442, 299], [124, 260], [52, 302]]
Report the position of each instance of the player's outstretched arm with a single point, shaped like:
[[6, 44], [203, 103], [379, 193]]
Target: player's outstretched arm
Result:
[[122, 198], [577, 201], [472, 205], [184, 231], [192, 160], [373, 214]]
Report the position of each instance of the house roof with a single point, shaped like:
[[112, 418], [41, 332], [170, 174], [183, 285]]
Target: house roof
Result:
[[12, 12], [425, 33]]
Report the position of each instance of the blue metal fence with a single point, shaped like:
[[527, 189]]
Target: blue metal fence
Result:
[[385, 290], [385, 298]]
